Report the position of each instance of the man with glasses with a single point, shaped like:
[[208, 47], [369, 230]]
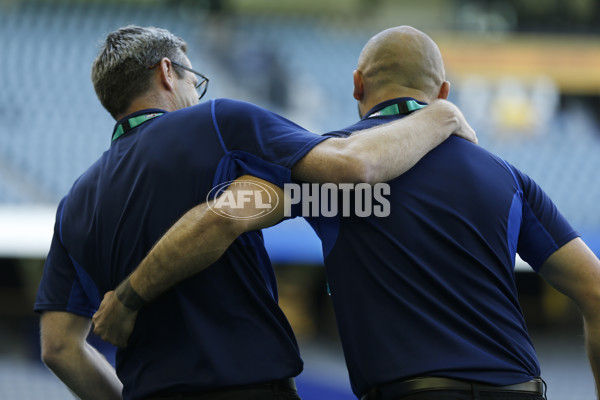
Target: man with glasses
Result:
[[221, 334]]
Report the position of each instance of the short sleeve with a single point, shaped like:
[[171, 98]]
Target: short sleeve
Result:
[[245, 127], [60, 287], [544, 229]]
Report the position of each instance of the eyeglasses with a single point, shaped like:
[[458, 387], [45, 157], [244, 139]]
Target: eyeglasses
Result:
[[202, 84]]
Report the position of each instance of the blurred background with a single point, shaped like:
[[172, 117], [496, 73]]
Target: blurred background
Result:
[[526, 74]]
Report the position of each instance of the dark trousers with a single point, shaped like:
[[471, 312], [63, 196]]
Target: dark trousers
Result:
[[283, 390], [466, 395]]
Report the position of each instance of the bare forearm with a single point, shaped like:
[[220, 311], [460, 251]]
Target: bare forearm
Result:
[[197, 240], [87, 374], [400, 147], [81, 367], [384, 152], [186, 249]]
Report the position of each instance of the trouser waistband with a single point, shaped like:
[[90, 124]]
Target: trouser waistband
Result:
[[399, 389], [280, 385]]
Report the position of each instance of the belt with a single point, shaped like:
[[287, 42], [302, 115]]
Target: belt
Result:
[[281, 385], [395, 390]]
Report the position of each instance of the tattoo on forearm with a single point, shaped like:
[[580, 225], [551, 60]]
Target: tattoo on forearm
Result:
[[129, 297]]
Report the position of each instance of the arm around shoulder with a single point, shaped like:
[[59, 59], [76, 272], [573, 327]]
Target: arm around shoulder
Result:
[[384, 152], [204, 233], [195, 241]]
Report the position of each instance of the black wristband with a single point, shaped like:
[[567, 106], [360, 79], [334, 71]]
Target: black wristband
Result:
[[129, 297]]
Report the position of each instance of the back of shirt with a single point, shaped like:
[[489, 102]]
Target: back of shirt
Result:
[[430, 289], [222, 327]]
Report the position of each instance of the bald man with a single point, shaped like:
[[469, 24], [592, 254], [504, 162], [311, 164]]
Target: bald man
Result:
[[392, 64], [425, 297]]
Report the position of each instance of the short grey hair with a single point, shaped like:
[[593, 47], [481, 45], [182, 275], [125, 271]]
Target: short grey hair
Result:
[[120, 72]]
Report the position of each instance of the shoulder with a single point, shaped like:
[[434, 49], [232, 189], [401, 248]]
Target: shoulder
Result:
[[239, 107], [235, 115], [359, 126], [84, 185], [91, 175]]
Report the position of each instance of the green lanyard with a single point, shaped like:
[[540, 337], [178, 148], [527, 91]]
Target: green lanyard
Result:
[[404, 107], [131, 123]]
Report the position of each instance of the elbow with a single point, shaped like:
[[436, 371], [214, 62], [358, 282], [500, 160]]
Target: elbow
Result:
[[55, 352], [235, 225], [345, 163], [52, 354], [369, 173], [358, 164], [589, 307], [231, 221], [362, 169]]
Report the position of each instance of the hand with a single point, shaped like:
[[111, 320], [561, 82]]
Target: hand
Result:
[[463, 129], [114, 322]]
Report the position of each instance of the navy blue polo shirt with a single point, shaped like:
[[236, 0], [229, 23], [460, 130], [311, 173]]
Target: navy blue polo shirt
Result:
[[220, 328], [430, 289]]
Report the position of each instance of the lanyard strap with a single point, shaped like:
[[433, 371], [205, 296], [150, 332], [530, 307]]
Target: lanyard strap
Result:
[[404, 107], [131, 123]]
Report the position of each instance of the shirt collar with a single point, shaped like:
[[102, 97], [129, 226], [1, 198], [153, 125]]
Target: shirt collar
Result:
[[387, 103], [133, 120]]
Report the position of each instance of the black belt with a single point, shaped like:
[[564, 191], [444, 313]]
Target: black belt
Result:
[[399, 389], [282, 385]]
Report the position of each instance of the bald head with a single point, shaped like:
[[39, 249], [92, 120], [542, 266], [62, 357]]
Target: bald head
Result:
[[401, 59]]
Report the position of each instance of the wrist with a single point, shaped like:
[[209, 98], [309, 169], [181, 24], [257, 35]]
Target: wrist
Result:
[[129, 297], [448, 117]]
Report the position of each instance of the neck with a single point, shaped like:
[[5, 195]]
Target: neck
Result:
[[148, 101], [379, 97]]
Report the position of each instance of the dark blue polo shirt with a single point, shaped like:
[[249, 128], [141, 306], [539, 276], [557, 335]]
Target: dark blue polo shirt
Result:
[[222, 327], [430, 289]]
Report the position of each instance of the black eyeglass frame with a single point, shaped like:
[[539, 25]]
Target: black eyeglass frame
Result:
[[203, 83]]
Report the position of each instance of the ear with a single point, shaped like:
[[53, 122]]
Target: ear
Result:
[[167, 74], [359, 86], [444, 90]]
